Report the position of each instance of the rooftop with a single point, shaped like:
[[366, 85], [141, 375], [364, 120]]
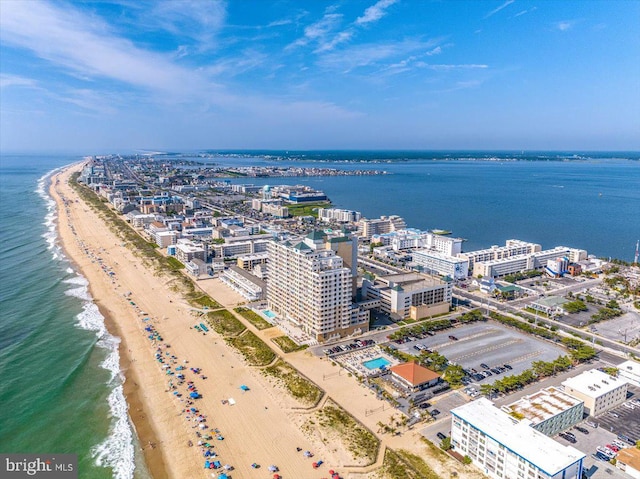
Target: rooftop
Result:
[[551, 301], [631, 457], [414, 373], [540, 450], [594, 383], [542, 405]]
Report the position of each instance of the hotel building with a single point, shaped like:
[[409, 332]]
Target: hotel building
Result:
[[506, 448], [310, 286], [599, 391], [385, 224], [548, 411], [442, 264], [409, 295]]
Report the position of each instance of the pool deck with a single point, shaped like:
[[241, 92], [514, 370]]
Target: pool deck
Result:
[[353, 361]]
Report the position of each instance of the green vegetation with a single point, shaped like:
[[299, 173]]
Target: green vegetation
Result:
[[420, 329], [254, 350], [258, 321], [606, 313], [611, 371], [299, 387], [174, 263], [404, 465], [575, 306], [580, 351], [307, 209], [225, 323], [526, 327], [445, 444], [453, 374], [287, 345], [361, 442], [205, 301], [466, 460], [512, 278]]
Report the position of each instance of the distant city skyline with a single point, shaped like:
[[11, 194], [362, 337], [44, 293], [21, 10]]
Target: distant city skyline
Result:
[[389, 74]]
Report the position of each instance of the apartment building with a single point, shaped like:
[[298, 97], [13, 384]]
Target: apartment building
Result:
[[504, 447], [513, 247], [385, 224], [327, 215], [310, 286], [599, 391]]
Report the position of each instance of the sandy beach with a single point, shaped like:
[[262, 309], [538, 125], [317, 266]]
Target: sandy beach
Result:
[[264, 426]]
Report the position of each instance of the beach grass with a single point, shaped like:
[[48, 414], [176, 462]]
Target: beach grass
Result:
[[358, 440], [258, 321], [225, 323], [254, 350], [298, 386], [288, 345], [206, 301], [174, 263], [404, 465]]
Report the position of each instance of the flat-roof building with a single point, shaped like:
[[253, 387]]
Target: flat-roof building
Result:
[[630, 371], [599, 391], [407, 295], [548, 411], [506, 448], [442, 264]]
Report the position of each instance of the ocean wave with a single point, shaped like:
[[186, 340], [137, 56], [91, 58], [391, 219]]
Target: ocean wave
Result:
[[117, 451], [51, 218]]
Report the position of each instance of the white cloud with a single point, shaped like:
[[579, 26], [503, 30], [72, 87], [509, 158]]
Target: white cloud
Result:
[[319, 31], [565, 25], [8, 80], [524, 12], [435, 51], [496, 10], [375, 12]]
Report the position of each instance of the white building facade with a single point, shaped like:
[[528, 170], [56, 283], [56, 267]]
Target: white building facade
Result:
[[599, 391], [442, 264], [505, 448]]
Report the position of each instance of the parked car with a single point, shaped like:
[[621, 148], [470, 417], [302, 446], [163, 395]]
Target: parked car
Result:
[[508, 366], [484, 366], [441, 436], [434, 413], [582, 430], [452, 337]]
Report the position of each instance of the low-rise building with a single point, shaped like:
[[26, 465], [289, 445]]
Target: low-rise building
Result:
[[414, 377], [504, 447], [628, 460], [549, 305], [630, 371], [599, 391], [548, 411], [250, 261], [249, 286]]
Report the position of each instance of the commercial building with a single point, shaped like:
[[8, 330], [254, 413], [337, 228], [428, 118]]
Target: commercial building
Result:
[[548, 411], [440, 263], [250, 261], [505, 448], [411, 238], [414, 377], [599, 391], [409, 295], [187, 250], [385, 224], [310, 286], [630, 371], [549, 305]]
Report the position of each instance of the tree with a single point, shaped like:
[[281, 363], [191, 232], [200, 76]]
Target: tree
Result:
[[454, 374], [445, 444]]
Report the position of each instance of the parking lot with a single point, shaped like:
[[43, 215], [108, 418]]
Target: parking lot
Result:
[[622, 420], [487, 343], [622, 328]]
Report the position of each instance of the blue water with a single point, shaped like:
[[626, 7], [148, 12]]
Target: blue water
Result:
[[61, 388], [376, 363], [591, 203], [269, 314]]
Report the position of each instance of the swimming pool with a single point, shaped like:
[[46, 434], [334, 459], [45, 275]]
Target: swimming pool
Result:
[[269, 314], [376, 363]]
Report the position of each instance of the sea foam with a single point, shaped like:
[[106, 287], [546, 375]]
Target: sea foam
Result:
[[117, 450]]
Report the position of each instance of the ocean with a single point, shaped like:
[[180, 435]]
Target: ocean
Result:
[[61, 387]]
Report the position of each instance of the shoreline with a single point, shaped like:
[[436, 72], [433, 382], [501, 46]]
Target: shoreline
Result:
[[142, 428]]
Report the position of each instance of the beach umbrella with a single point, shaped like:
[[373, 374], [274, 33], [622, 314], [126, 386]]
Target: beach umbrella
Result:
[[272, 468]]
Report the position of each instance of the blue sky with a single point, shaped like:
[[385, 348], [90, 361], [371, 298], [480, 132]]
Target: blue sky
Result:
[[96, 77]]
